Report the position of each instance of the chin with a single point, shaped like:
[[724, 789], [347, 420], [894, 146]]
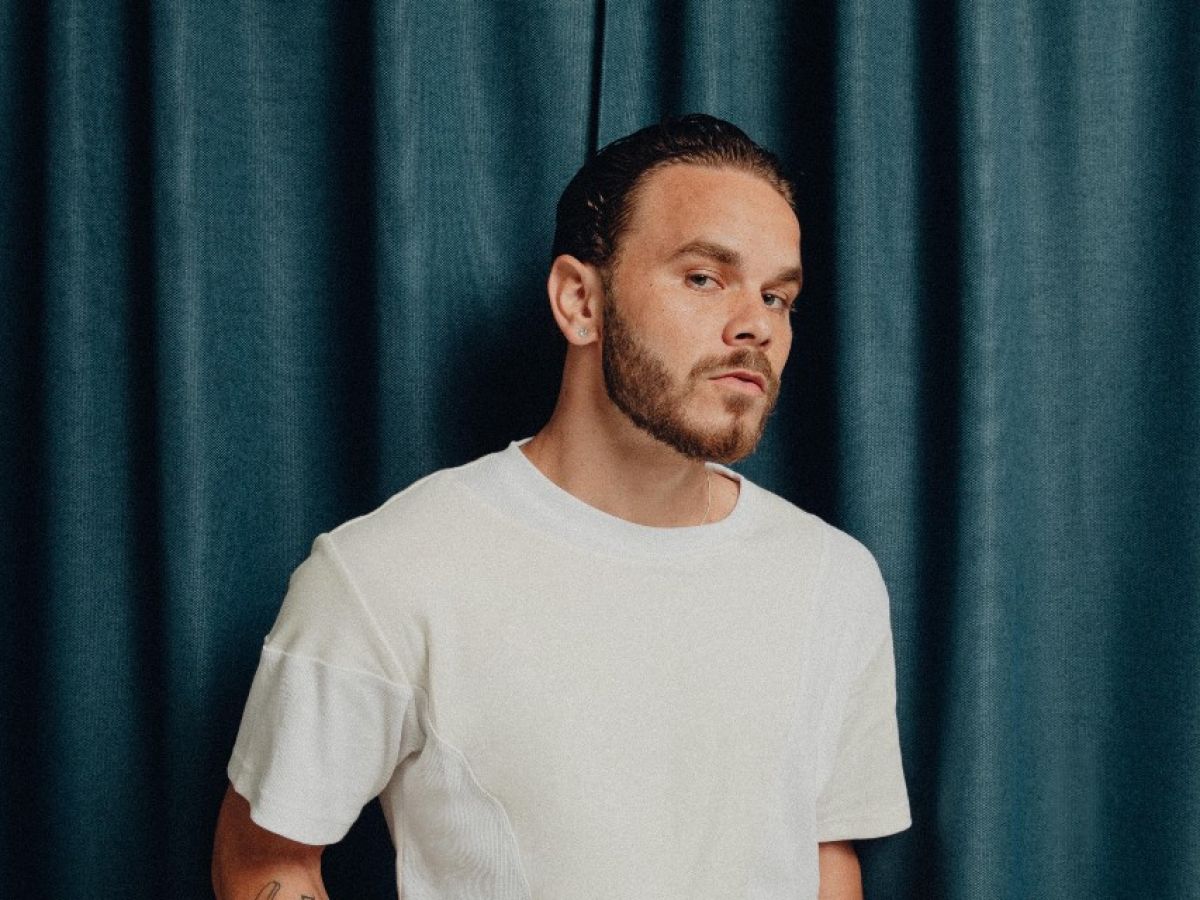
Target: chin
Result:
[[728, 457], [723, 445]]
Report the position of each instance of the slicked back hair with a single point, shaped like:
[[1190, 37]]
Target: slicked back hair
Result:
[[595, 208]]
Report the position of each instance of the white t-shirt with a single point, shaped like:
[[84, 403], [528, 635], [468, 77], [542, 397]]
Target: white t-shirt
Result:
[[553, 703]]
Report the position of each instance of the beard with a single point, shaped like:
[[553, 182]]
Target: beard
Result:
[[640, 385]]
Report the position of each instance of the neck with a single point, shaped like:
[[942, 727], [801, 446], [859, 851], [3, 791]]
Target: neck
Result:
[[591, 450]]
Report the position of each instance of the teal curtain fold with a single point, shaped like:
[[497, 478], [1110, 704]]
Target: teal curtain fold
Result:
[[263, 265]]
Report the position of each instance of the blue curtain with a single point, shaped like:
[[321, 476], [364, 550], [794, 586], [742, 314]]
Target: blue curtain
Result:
[[262, 265]]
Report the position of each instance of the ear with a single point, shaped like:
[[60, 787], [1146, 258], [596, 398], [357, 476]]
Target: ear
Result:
[[576, 290]]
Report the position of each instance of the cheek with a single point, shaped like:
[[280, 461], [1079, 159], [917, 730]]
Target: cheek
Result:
[[780, 355], [677, 329]]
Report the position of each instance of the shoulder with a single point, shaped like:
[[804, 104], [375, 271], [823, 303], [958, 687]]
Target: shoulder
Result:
[[847, 570], [412, 521], [841, 548]]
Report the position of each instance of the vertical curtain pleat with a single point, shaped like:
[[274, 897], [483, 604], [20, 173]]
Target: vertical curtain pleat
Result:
[[482, 115]]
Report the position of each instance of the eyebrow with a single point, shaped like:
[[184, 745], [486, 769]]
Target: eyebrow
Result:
[[727, 256]]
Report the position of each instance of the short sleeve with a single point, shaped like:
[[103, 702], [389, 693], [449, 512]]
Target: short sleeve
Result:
[[329, 713], [864, 795]]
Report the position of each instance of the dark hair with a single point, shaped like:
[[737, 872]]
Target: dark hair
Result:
[[595, 207]]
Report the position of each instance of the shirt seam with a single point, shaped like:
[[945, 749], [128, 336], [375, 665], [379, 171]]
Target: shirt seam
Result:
[[402, 687], [326, 539], [624, 549], [655, 559], [245, 768], [432, 731], [872, 814], [822, 568], [871, 811], [394, 498], [855, 669]]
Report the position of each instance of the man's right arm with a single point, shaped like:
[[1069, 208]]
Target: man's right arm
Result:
[[251, 863]]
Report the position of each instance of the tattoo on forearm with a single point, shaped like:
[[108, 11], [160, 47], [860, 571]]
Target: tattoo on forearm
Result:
[[270, 891]]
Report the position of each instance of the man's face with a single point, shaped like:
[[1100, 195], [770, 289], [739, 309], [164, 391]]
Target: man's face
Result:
[[706, 275]]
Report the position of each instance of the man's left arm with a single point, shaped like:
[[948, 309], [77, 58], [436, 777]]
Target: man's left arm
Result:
[[840, 876]]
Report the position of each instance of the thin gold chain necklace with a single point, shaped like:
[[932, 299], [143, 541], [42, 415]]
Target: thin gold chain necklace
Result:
[[708, 505]]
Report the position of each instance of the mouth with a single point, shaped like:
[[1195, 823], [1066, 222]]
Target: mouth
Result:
[[742, 380]]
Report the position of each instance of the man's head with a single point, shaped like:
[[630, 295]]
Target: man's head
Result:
[[682, 248], [595, 207]]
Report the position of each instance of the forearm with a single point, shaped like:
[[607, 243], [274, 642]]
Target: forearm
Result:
[[269, 883], [250, 863], [841, 878]]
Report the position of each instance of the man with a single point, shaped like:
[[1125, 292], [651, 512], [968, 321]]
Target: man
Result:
[[597, 663]]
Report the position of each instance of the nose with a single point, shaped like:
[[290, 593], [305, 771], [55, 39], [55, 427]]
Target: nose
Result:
[[749, 322]]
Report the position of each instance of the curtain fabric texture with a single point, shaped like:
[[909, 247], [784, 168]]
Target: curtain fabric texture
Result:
[[263, 265]]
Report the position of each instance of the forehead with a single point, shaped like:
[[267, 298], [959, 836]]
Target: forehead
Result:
[[681, 202]]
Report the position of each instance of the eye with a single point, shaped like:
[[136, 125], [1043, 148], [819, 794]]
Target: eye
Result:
[[775, 301], [700, 280]]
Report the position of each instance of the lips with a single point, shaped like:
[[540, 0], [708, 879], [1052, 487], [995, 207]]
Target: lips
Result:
[[744, 377]]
